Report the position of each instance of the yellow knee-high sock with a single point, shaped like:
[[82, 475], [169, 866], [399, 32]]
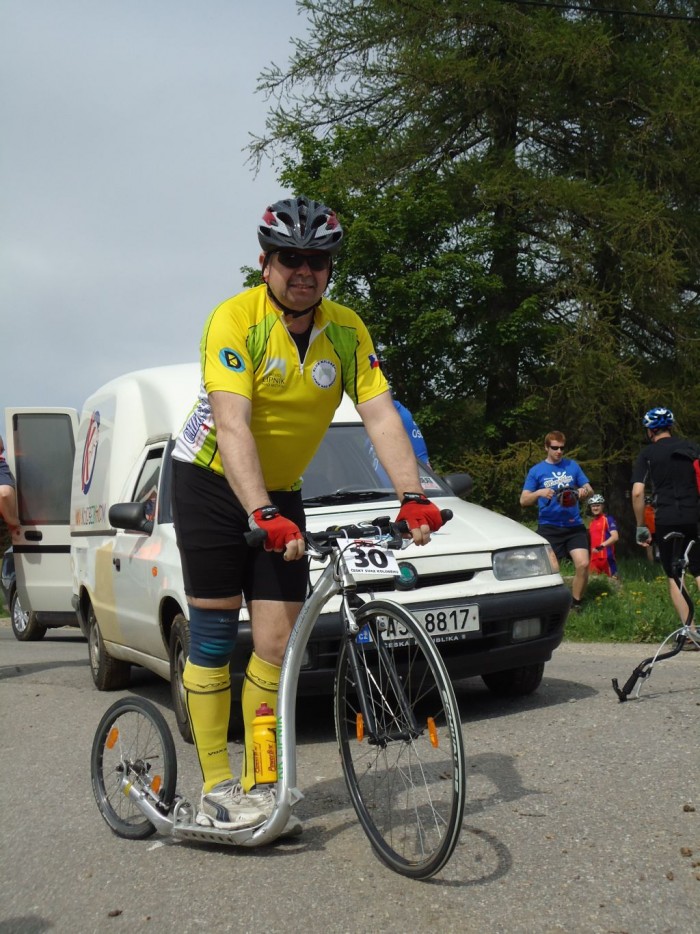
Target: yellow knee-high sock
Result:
[[260, 685], [208, 698]]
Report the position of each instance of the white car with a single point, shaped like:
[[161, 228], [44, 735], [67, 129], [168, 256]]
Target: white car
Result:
[[484, 587]]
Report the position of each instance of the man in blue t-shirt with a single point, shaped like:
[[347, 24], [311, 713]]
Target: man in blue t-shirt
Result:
[[420, 448], [559, 521]]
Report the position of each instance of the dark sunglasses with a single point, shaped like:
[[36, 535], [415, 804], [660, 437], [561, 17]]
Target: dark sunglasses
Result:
[[315, 261], [556, 447]]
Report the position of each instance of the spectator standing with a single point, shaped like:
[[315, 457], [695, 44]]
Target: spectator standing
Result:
[[556, 485], [8, 494], [652, 551], [603, 536], [420, 448]]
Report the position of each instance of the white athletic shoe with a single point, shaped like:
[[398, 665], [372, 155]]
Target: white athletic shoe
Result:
[[227, 807], [263, 796]]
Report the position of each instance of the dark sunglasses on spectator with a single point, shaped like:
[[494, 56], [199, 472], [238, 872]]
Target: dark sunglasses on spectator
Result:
[[556, 447], [316, 261]]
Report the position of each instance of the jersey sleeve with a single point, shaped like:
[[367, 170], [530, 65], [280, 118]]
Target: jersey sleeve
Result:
[[581, 478], [531, 481], [225, 357], [639, 471]]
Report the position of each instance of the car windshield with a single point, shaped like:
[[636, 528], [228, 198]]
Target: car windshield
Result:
[[346, 469]]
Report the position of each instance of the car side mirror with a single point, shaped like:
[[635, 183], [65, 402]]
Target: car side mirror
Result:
[[131, 516], [461, 484]]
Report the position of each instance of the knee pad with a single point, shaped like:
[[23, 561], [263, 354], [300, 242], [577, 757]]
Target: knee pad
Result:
[[212, 636]]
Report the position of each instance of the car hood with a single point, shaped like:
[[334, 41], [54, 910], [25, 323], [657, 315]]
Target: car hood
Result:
[[473, 531]]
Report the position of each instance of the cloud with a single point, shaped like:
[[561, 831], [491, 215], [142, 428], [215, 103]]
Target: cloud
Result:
[[127, 207]]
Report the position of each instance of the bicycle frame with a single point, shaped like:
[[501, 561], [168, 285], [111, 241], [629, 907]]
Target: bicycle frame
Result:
[[335, 579]]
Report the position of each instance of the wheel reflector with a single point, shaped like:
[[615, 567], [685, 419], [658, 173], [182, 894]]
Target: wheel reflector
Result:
[[432, 732]]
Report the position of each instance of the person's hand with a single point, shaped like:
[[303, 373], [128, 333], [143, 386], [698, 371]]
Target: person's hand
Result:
[[643, 535], [421, 516], [546, 493], [567, 498], [282, 534], [599, 548]]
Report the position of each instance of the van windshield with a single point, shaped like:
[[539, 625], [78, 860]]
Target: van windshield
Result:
[[346, 469]]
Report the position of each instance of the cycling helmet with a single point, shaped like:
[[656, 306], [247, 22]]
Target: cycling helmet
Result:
[[658, 418], [596, 500], [299, 224]]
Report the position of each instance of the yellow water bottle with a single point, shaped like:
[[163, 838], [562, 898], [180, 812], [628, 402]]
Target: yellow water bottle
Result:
[[265, 745]]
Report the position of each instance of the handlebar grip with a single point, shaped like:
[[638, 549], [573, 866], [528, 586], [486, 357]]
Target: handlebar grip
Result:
[[255, 538], [446, 515]]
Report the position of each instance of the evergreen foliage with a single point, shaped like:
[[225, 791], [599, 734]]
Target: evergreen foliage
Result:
[[521, 190]]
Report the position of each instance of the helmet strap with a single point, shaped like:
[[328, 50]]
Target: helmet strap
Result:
[[290, 311]]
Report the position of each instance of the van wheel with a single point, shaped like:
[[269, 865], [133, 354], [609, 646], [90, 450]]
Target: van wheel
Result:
[[516, 682], [179, 650], [109, 674], [24, 622]]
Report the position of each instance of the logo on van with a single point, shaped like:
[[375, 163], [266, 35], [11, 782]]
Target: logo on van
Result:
[[90, 451], [231, 360]]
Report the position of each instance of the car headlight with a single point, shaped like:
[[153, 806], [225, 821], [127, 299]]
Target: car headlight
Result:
[[528, 561]]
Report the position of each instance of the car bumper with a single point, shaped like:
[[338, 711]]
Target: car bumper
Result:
[[489, 650]]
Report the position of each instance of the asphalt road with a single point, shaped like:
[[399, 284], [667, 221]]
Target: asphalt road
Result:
[[582, 816]]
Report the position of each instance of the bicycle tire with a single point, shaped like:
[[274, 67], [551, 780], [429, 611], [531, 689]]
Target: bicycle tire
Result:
[[131, 738], [406, 778]]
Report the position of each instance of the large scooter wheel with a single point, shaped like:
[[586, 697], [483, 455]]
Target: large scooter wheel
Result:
[[133, 744]]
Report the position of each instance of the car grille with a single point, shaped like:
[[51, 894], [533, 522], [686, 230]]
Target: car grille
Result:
[[424, 580]]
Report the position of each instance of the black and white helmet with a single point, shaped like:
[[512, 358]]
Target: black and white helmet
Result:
[[596, 500], [300, 224]]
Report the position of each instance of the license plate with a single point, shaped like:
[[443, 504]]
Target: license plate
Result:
[[448, 624]]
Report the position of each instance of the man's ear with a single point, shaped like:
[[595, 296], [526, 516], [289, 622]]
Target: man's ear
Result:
[[264, 266]]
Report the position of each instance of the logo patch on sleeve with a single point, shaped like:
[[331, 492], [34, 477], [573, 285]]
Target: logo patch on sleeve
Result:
[[232, 360]]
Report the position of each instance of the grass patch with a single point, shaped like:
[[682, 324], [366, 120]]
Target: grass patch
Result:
[[635, 608]]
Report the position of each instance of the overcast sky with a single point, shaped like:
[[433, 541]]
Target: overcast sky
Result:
[[126, 205]]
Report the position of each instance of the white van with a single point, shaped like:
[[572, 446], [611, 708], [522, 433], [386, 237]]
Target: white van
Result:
[[484, 587]]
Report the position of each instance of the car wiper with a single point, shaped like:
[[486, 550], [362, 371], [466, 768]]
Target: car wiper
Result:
[[348, 496]]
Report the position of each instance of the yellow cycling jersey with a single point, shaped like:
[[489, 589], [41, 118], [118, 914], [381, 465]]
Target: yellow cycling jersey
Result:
[[246, 349]]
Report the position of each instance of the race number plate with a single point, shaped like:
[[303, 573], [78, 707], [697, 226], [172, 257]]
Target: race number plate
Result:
[[366, 559]]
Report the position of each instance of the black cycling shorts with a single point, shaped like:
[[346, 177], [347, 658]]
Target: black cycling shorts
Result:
[[675, 548], [216, 561], [564, 540]]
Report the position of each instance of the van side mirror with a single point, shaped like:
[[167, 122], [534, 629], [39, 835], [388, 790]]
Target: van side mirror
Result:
[[461, 484], [131, 516]]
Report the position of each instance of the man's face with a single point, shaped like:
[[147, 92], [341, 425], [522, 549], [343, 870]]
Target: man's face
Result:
[[555, 451], [297, 286]]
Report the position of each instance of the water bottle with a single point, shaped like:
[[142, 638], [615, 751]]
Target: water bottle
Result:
[[265, 745]]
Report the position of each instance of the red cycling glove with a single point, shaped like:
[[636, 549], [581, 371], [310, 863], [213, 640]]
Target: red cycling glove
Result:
[[279, 530], [416, 510]]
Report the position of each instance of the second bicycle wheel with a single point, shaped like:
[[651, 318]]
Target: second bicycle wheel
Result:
[[133, 742], [400, 740]]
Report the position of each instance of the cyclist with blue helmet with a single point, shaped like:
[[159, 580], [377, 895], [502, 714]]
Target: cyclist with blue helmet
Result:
[[666, 466]]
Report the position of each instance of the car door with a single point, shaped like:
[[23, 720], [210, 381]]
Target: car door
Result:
[[136, 558], [41, 449]]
